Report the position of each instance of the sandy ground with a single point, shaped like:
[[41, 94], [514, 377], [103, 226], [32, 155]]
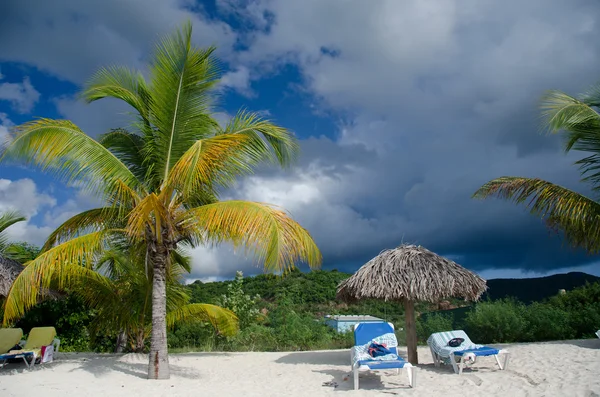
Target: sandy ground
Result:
[[570, 368]]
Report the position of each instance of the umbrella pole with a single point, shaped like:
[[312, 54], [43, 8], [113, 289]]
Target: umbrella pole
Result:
[[411, 331]]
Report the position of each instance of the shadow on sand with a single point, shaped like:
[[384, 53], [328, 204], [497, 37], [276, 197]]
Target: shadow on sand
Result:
[[338, 363], [103, 364]]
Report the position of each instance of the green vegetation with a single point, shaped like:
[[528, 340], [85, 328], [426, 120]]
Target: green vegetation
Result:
[[285, 313], [573, 315]]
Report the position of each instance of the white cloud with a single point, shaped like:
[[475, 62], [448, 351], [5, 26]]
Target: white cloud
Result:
[[97, 117], [23, 196], [238, 80], [72, 39], [43, 211], [5, 124], [22, 96]]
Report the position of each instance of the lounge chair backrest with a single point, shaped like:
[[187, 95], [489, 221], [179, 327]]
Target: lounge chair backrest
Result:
[[40, 336], [441, 339], [366, 332], [9, 337]]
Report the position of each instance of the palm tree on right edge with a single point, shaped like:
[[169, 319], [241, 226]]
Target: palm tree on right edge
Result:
[[576, 215]]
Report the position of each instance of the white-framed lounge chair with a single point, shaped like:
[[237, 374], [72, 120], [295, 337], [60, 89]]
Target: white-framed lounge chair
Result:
[[443, 353], [41, 345], [382, 333]]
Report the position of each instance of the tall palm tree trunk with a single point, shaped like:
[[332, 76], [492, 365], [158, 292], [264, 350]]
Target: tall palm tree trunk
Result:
[[158, 366]]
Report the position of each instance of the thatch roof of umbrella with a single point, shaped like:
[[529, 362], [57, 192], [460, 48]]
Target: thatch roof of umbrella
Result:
[[9, 270], [407, 274], [412, 272]]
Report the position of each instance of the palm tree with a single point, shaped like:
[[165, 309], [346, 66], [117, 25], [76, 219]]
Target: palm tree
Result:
[[161, 180], [119, 288], [8, 219], [576, 215]]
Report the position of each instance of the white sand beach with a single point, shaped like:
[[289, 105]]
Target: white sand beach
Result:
[[568, 368]]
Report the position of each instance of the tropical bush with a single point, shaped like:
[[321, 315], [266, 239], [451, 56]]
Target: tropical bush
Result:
[[437, 322], [495, 322]]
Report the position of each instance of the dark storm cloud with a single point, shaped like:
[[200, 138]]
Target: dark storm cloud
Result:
[[445, 97], [438, 98]]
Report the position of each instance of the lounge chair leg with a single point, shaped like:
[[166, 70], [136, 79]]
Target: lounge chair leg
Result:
[[453, 362], [503, 365], [412, 376], [461, 365], [436, 359], [397, 371], [355, 378]]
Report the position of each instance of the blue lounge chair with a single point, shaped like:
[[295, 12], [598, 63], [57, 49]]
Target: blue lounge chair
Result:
[[442, 352], [383, 333]]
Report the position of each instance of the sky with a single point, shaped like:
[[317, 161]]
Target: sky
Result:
[[403, 110]]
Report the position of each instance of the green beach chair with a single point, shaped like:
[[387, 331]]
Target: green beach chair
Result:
[[41, 345], [9, 338]]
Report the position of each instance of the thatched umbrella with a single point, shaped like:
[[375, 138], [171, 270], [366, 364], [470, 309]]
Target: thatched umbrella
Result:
[[9, 270], [408, 274]]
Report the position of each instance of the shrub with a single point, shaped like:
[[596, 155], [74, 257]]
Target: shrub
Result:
[[243, 305], [496, 322], [545, 322], [436, 322]]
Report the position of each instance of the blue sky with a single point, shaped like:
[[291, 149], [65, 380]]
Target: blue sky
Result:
[[403, 110]]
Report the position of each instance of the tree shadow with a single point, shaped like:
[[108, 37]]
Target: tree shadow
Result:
[[100, 365], [368, 380], [339, 369]]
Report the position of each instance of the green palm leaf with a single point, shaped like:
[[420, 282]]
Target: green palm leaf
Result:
[[129, 148], [575, 214], [182, 78], [120, 83], [224, 320], [55, 268], [581, 124], [266, 140], [59, 146], [275, 239], [87, 221], [8, 219]]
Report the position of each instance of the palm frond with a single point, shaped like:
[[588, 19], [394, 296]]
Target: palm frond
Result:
[[182, 78], [61, 147], [224, 320], [581, 123], [150, 213], [211, 161], [276, 240], [55, 268], [182, 259], [592, 96], [8, 219], [120, 83], [267, 140], [129, 148], [576, 215], [91, 220]]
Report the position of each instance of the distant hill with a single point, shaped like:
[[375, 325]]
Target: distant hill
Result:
[[536, 289], [318, 287]]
